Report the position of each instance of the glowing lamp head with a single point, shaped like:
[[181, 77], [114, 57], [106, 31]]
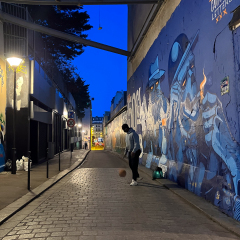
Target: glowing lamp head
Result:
[[14, 61], [79, 125]]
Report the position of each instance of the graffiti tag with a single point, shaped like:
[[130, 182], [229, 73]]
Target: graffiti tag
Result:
[[20, 69], [218, 9]]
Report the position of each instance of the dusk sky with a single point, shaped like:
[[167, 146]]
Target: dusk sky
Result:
[[106, 72]]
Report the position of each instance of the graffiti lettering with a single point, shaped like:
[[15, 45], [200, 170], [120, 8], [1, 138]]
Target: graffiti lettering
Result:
[[218, 9], [20, 69]]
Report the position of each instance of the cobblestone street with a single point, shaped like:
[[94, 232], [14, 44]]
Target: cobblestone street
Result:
[[95, 203]]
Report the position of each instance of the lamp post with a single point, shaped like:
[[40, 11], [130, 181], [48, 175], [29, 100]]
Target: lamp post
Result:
[[14, 63]]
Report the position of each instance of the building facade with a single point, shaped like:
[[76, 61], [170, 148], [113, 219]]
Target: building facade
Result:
[[118, 102], [106, 118], [97, 133], [42, 101], [86, 128]]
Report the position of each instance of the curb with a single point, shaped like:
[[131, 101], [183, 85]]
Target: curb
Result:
[[22, 202], [200, 204]]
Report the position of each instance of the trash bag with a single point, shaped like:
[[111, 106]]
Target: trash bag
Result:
[[157, 173], [19, 165], [8, 165], [25, 163]]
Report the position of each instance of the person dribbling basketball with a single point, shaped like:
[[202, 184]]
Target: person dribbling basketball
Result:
[[133, 150]]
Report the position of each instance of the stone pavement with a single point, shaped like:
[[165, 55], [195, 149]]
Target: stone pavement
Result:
[[13, 187], [95, 203], [196, 202]]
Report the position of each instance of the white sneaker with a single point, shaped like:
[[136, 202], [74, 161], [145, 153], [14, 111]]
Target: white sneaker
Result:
[[133, 183]]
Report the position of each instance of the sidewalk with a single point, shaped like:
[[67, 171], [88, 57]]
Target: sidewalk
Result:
[[205, 207], [13, 187]]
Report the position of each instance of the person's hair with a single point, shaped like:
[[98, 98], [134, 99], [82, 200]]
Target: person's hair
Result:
[[124, 126]]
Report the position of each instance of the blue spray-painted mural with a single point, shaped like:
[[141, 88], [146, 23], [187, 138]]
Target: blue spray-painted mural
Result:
[[175, 104], [2, 114]]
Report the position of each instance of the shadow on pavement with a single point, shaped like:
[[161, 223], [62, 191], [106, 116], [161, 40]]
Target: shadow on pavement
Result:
[[145, 184], [172, 186]]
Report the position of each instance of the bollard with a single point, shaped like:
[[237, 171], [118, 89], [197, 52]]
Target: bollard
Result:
[[29, 158], [71, 150], [47, 162], [59, 159], [14, 160]]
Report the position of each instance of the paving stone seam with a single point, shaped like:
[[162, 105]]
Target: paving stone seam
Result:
[[230, 221], [13, 212]]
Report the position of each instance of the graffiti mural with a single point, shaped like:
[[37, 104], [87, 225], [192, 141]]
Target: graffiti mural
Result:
[[176, 105], [183, 102], [114, 136], [2, 114]]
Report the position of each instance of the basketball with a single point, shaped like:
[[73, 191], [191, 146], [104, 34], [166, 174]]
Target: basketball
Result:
[[122, 173]]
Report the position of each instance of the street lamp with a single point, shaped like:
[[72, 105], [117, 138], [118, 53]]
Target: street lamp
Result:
[[14, 63]]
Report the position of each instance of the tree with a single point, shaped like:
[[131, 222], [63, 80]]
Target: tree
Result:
[[68, 19], [78, 89]]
